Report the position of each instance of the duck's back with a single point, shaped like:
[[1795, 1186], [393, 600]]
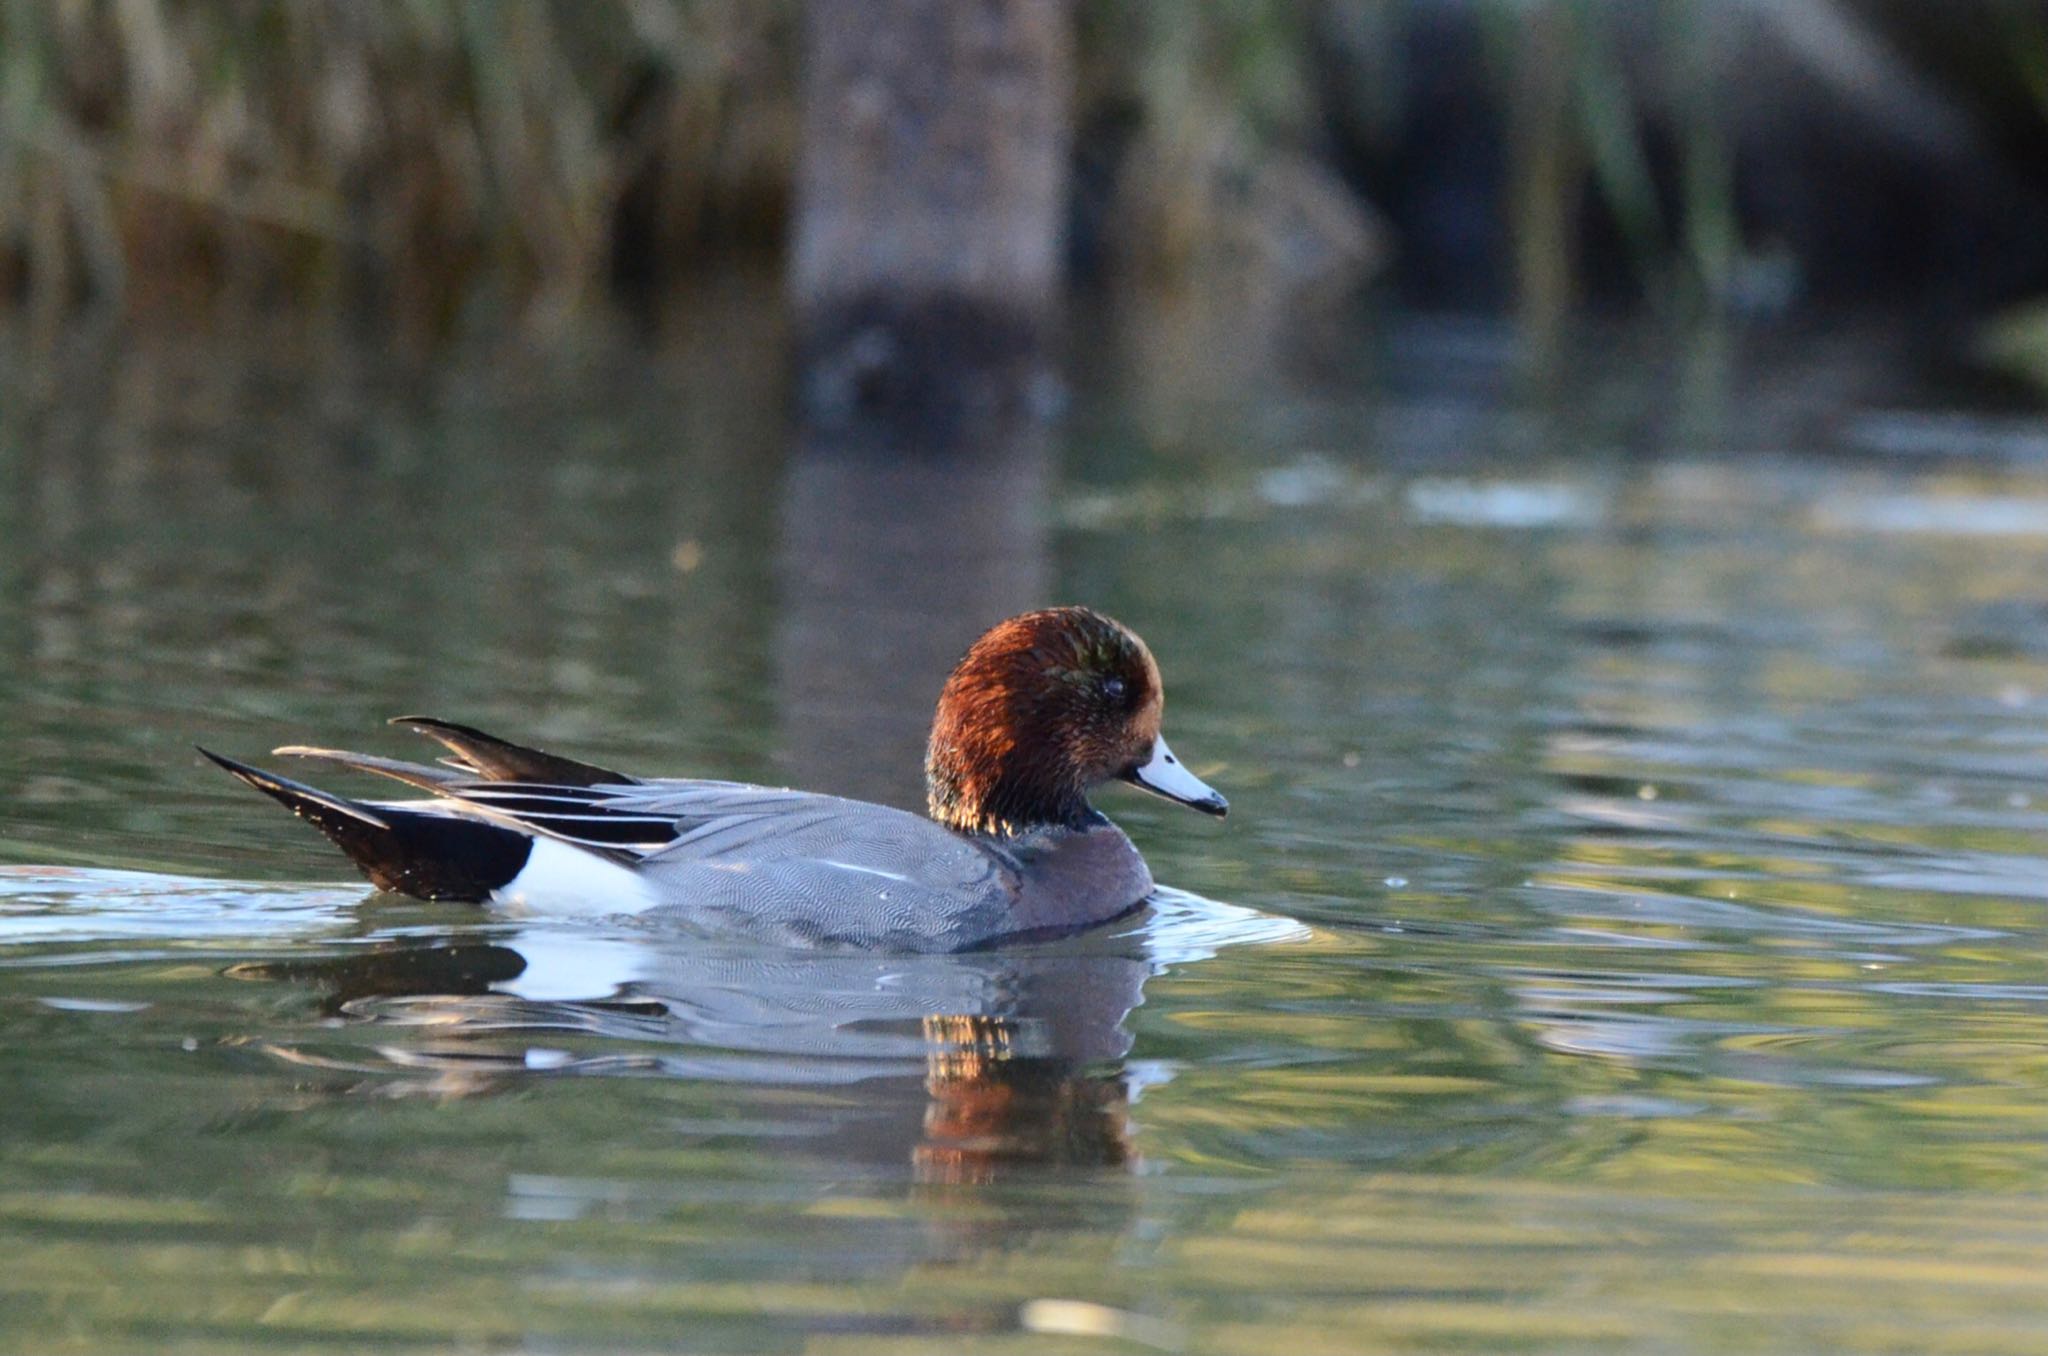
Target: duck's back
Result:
[[820, 870]]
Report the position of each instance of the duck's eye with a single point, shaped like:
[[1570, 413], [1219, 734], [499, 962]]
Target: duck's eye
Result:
[[1113, 688]]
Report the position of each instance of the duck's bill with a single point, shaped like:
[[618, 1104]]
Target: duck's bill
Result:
[[1163, 775]]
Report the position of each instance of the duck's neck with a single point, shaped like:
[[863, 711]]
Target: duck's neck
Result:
[[999, 805]]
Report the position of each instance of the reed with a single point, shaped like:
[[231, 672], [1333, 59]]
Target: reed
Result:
[[456, 166], [439, 160]]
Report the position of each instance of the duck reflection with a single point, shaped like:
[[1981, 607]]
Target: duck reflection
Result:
[[993, 1106], [956, 1068]]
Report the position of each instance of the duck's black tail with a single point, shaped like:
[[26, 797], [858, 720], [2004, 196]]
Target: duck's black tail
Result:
[[412, 852]]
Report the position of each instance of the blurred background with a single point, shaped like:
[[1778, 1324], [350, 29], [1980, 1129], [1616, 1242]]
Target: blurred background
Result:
[[429, 171]]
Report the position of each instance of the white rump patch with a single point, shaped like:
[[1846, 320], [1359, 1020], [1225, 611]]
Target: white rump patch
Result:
[[563, 881]]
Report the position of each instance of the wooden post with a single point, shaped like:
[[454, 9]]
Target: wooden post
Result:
[[931, 199]]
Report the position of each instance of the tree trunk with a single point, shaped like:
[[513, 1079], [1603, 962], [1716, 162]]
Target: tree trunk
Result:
[[931, 197]]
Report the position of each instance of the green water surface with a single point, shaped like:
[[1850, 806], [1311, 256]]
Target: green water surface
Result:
[[1630, 933]]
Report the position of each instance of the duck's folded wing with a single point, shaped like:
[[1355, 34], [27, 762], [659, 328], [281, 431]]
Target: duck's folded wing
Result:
[[802, 867], [731, 822], [793, 865], [674, 821], [808, 869], [590, 816], [613, 819], [500, 760]]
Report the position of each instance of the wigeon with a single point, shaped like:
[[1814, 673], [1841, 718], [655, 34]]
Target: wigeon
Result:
[[1041, 710]]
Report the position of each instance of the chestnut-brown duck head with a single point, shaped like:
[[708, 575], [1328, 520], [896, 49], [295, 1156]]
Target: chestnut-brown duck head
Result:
[[1044, 707]]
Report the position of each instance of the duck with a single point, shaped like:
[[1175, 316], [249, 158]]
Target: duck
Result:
[[1040, 711]]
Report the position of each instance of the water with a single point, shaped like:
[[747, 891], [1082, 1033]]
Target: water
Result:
[[1628, 935]]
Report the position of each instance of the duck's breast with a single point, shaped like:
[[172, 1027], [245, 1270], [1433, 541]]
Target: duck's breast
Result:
[[1076, 878]]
